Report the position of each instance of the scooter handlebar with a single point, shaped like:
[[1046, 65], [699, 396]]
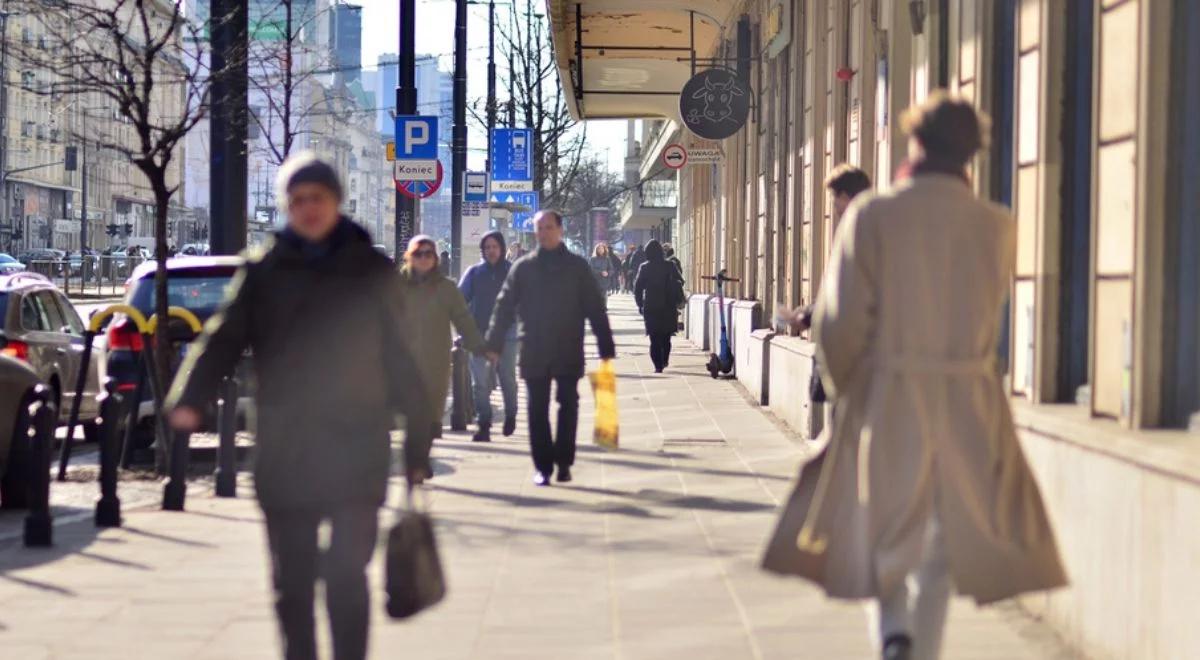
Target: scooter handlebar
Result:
[[722, 279]]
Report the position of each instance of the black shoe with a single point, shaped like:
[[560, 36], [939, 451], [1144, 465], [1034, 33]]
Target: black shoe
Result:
[[510, 425], [658, 370], [436, 430], [897, 647], [564, 474], [541, 479], [484, 434]]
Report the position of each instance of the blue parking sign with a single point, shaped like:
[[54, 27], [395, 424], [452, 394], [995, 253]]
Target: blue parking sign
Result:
[[416, 137]]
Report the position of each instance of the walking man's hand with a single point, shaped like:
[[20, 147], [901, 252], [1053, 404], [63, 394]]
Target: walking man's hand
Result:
[[493, 357], [185, 418]]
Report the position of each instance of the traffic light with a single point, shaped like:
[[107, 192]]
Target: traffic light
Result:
[[110, 229], [128, 229], [71, 158]]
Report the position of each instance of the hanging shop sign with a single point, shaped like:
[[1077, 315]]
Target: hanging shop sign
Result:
[[714, 104]]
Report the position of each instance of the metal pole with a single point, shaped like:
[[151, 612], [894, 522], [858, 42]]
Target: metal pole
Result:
[[406, 104], [226, 474], [83, 214], [227, 153], [459, 146], [4, 127], [38, 422], [491, 81]]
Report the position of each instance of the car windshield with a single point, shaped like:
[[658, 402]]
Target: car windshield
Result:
[[199, 291]]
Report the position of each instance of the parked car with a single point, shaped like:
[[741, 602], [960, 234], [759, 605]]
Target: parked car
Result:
[[17, 381], [40, 327], [40, 254], [9, 265], [198, 284], [194, 250]]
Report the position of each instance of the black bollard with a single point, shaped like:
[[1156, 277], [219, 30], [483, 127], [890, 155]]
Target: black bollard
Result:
[[108, 507], [43, 419], [175, 492], [84, 361], [226, 474]]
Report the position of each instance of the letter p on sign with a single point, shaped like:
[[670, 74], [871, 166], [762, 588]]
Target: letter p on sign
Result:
[[417, 137]]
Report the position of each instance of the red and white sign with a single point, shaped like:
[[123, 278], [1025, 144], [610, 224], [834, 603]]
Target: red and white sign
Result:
[[419, 189], [675, 156]]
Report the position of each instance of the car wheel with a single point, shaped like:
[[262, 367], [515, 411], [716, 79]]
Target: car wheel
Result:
[[14, 485]]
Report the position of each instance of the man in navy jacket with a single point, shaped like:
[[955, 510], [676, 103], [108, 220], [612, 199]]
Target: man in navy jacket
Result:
[[480, 285]]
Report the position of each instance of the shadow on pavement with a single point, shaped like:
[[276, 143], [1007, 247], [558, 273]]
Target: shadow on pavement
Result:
[[542, 502], [612, 458], [69, 539]]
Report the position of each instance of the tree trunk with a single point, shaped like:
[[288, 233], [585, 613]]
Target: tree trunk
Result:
[[163, 353]]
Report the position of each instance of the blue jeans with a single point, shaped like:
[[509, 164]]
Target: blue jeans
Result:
[[483, 381]]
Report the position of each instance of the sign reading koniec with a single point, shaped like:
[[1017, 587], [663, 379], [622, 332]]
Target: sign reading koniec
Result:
[[415, 170], [714, 104]]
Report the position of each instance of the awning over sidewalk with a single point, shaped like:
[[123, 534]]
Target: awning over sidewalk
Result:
[[630, 58]]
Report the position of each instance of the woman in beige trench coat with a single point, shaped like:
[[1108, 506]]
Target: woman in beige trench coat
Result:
[[923, 476]]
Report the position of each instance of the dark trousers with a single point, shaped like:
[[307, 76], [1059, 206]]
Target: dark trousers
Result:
[[296, 561], [660, 350], [546, 451]]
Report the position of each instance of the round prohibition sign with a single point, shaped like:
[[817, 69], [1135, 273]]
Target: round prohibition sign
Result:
[[675, 156], [421, 189]]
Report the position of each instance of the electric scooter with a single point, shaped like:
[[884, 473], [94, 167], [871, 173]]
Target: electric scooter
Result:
[[722, 362]]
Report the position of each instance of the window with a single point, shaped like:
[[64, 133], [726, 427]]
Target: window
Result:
[[53, 315], [69, 315], [33, 316]]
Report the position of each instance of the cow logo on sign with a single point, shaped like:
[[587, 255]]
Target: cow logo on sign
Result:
[[714, 104]]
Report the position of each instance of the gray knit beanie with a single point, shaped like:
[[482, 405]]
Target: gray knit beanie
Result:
[[305, 167]]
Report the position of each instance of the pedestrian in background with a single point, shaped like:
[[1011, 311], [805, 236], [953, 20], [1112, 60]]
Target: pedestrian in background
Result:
[[480, 286], [444, 262], [515, 251], [635, 261], [321, 311], [845, 182], [669, 253], [924, 487], [601, 264], [614, 269], [553, 292], [432, 303], [658, 291]]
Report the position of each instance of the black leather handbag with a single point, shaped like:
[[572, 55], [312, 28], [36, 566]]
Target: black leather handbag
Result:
[[415, 581]]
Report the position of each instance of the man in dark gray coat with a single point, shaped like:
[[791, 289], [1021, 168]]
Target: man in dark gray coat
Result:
[[320, 309], [553, 292]]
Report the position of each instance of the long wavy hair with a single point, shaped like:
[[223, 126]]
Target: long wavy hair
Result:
[[415, 244]]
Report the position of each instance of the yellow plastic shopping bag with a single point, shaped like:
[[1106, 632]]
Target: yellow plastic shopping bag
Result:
[[604, 389]]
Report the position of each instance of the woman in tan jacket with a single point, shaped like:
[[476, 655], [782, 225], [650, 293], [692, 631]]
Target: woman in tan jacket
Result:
[[923, 486]]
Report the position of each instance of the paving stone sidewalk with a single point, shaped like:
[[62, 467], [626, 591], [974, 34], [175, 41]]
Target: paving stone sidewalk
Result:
[[650, 554]]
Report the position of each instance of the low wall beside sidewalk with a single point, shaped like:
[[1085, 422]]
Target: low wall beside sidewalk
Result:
[[1124, 506], [755, 371], [791, 365], [696, 321]]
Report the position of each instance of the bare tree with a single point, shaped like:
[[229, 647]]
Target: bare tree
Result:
[[537, 102], [594, 186], [142, 58]]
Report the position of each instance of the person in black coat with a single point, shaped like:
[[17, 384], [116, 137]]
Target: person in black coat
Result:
[[321, 309], [553, 292], [602, 267], [658, 292]]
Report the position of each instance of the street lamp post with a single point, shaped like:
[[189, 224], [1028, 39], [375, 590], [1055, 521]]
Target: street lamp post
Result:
[[459, 136]]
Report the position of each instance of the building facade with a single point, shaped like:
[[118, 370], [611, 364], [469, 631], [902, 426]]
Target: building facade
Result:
[[1093, 148]]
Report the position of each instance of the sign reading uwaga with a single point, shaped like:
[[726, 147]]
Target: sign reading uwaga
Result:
[[714, 104]]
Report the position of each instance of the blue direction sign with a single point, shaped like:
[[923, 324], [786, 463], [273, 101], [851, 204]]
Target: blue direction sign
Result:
[[416, 137], [521, 220], [512, 159]]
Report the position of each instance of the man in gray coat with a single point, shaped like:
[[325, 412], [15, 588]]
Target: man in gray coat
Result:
[[554, 293]]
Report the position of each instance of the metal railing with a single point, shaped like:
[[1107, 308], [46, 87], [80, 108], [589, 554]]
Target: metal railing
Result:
[[102, 275]]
